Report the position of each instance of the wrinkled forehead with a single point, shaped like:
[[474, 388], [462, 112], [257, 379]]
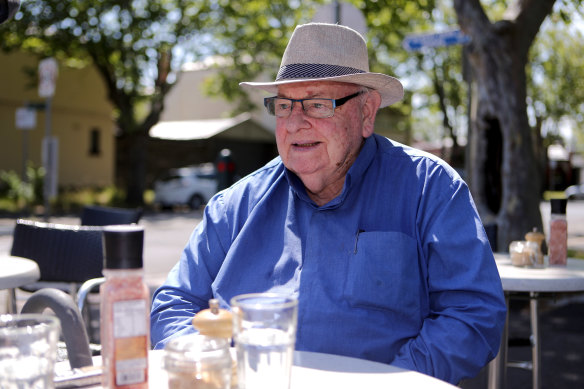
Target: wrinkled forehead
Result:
[[332, 89]]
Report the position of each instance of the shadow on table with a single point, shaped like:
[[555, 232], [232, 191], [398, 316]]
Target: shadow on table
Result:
[[342, 364]]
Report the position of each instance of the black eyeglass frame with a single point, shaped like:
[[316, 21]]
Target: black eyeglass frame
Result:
[[336, 103]]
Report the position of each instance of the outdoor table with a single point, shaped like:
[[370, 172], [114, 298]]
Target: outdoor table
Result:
[[317, 371], [535, 283], [16, 272]]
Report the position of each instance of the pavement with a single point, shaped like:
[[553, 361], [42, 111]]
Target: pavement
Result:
[[562, 318]]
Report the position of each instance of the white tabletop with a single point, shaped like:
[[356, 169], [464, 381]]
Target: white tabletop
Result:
[[568, 278], [17, 271], [318, 371]]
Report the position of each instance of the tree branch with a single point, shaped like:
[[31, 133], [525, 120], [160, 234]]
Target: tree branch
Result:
[[528, 15], [471, 17]]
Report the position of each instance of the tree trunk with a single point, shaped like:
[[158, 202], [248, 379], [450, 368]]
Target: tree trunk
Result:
[[137, 143], [505, 180]]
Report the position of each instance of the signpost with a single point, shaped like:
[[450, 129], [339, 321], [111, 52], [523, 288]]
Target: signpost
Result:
[[48, 71], [25, 120], [439, 39]]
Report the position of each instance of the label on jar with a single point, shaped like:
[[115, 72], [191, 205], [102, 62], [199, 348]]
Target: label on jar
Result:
[[130, 341]]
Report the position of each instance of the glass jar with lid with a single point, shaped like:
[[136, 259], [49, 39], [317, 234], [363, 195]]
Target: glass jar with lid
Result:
[[198, 362]]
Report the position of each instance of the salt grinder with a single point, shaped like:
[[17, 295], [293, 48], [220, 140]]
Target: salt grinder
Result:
[[125, 309], [558, 243]]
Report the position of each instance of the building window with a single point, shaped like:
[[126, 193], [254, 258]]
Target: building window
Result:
[[95, 142]]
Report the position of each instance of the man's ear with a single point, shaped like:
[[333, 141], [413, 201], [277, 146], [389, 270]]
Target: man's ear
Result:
[[369, 111]]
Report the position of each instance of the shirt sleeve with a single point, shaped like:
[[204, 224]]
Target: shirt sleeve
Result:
[[188, 287], [462, 332]]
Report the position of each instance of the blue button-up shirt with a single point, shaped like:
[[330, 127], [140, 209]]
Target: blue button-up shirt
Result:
[[396, 269]]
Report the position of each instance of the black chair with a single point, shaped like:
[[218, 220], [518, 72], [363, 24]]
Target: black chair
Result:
[[67, 255], [96, 215]]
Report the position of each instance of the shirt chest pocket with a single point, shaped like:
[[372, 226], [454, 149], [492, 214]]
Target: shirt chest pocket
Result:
[[383, 272]]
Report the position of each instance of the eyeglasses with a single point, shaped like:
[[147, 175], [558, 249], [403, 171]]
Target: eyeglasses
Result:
[[315, 108]]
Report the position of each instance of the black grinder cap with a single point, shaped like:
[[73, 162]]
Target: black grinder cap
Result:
[[122, 246], [558, 206]]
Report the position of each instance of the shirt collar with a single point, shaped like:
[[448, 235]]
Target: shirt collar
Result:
[[354, 175]]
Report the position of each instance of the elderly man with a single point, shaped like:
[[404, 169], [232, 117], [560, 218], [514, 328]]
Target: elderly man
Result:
[[381, 242]]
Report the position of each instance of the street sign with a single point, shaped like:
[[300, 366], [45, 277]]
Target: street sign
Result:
[[447, 38], [48, 71], [25, 118]]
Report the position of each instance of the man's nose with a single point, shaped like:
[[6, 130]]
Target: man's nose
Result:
[[297, 118]]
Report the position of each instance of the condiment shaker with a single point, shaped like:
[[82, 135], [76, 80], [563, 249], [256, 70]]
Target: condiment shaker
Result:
[[219, 323], [125, 309], [558, 241], [214, 321], [536, 238]]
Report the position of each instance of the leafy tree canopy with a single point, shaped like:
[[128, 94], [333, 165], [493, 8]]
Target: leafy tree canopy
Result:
[[133, 44]]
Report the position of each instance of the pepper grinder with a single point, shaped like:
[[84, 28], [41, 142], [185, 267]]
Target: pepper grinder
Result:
[[218, 323], [537, 238]]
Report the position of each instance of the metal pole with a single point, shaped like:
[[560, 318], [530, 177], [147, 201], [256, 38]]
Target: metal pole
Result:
[[497, 370], [535, 344], [24, 155], [338, 12], [48, 160]]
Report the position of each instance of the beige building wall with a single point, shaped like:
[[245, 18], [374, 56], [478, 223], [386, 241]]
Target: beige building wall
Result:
[[79, 108], [188, 101]]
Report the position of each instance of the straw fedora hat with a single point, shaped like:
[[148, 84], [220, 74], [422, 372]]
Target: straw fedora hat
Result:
[[330, 52]]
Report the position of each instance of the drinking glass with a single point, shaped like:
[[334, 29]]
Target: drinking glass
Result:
[[28, 350], [264, 332]]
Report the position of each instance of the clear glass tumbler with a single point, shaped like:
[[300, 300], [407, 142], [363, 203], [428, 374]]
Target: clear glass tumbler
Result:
[[28, 351], [264, 332]]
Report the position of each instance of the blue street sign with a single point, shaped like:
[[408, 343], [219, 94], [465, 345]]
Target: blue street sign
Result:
[[448, 38]]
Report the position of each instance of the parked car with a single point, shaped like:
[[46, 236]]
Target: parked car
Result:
[[191, 185], [575, 192]]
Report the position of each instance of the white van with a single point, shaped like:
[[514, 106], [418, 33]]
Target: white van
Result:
[[191, 185]]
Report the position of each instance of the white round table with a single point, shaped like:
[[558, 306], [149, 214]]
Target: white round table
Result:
[[318, 371], [536, 283], [16, 272], [549, 279]]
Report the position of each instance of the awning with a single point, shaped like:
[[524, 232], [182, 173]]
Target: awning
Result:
[[195, 129]]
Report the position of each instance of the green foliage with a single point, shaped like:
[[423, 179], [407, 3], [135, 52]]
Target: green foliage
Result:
[[13, 187], [434, 76], [25, 192], [72, 200], [556, 90], [253, 36], [17, 194]]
